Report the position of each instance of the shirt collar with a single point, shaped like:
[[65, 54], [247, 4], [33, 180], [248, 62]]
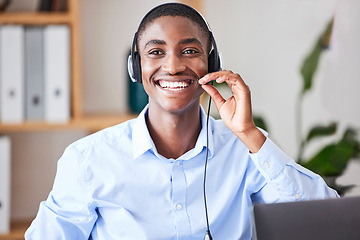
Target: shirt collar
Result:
[[142, 141]]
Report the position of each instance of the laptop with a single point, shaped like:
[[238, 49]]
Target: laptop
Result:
[[316, 219]]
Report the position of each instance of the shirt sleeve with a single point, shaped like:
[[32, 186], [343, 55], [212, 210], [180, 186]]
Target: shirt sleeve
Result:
[[67, 213], [285, 179]]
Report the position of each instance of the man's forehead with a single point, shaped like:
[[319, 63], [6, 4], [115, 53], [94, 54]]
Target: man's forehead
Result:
[[168, 18], [189, 30]]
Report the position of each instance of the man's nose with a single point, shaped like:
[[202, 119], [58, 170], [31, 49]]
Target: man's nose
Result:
[[173, 64]]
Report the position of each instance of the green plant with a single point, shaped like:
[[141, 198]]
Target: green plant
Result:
[[330, 161]]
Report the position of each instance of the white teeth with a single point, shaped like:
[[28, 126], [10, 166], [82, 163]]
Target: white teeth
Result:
[[173, 84]]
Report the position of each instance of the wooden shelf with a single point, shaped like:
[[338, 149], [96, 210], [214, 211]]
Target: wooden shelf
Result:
[[36, 18], [17, 230], [90, 123], [98, 122]]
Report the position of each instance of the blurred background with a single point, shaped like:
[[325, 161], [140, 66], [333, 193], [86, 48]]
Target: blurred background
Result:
[[264, 41]]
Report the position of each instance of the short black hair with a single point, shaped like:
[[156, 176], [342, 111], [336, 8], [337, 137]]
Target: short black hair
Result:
[[175, 9]]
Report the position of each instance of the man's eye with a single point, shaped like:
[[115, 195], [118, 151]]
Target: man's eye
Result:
[[155, 52], [190, 51]]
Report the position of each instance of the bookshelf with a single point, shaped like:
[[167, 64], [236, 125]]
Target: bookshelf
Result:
[[77, 120]]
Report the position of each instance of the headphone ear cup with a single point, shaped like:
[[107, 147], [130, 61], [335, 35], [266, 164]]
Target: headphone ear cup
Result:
[[213, 62], [137, 67], [131, 69]]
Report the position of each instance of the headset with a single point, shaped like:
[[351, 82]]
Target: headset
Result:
[[134, 65], [214, 65]]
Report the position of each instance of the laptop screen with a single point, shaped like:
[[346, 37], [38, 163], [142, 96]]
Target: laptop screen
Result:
[[316, 219]]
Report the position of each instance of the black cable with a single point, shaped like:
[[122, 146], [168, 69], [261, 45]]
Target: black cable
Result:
[[208, 234]]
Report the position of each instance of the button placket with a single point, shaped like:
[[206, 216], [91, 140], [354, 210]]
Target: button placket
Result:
[[181, 219]]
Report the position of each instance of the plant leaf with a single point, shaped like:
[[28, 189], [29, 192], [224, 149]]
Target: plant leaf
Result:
[[322, 131], [310, 63], [350, 138], [333, 159], [320, 163], [326, 37]]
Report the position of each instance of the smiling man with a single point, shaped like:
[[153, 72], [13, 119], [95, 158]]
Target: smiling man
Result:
[[143, 179], [173, 58]]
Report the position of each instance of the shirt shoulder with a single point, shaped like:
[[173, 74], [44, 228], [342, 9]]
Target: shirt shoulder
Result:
[[111, 135]]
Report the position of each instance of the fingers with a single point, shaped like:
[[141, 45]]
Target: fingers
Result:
[[223, 76], [216, 76], [234, 80], [211, 77]]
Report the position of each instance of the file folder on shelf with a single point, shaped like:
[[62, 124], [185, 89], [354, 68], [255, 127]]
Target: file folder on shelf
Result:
[[34, 74], [57, 73], [4, 184], [12, 74]]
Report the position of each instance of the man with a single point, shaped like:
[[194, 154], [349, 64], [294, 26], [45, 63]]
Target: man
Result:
[[143, 179]]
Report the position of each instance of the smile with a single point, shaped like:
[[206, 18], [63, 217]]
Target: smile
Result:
[[174, 85]]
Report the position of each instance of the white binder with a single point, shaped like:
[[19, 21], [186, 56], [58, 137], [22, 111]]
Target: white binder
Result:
[[12, 73], [4, 184], [34, 74], [57, 73]]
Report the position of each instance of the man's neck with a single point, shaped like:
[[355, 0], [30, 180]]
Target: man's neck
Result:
[[174, 133]]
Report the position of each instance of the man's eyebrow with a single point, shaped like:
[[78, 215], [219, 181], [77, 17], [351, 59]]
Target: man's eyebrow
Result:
[[155, 42], [183, 41], [190, 40]]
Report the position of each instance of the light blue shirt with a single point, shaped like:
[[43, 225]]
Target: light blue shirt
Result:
[[115, 185]]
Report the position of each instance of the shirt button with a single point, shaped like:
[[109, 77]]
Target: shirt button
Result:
[[266, 165], [297, 196], [178, 163], [179, 207]]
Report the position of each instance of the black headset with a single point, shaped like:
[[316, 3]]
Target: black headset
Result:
[[134, 65]]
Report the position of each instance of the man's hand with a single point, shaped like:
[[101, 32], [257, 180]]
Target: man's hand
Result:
[[236, 111]]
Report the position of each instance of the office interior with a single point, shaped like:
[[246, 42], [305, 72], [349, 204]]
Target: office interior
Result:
[[264, 41]]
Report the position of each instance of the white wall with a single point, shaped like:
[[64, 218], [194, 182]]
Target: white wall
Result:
[[108, 29], [265, 41]]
